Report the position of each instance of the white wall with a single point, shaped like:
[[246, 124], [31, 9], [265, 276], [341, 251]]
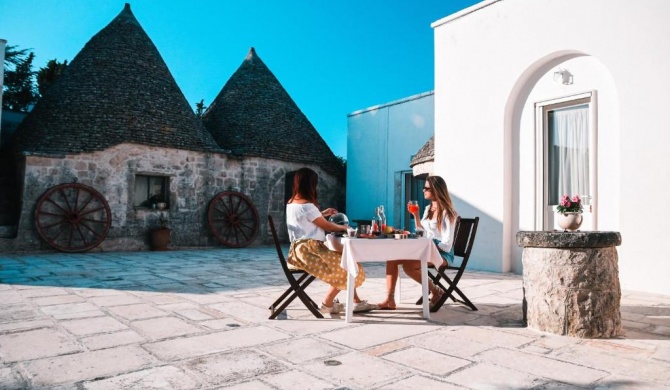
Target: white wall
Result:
[[381, 141], [3, 44], [492, 62]]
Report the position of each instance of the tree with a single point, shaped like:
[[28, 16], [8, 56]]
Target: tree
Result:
[[48, 74], [13, 56], [200, 108], [19, 84]]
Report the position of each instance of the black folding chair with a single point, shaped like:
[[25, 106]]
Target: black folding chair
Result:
[[464, 238], [297, 288]]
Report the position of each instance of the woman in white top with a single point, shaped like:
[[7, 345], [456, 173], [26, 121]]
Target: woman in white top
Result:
[[438, 223], [306, 230]]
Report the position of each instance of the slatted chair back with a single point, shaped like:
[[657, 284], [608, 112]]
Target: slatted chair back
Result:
[[464, 239], [297, 286]]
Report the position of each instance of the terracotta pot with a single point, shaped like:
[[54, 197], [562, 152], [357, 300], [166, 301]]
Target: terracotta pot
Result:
[[160, 238], [569, 221]]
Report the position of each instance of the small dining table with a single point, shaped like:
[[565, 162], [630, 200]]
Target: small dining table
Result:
[[360, 250]]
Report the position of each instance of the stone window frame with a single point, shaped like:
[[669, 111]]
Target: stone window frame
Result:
[[162, 181]]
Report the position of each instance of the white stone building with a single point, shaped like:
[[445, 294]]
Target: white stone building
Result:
[[506, 72]]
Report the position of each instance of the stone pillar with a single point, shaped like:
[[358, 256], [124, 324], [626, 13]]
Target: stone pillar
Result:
[[571, 282]]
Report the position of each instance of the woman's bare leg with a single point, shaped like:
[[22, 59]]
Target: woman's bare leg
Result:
[[412, 269], [391, 280], [330, 296]]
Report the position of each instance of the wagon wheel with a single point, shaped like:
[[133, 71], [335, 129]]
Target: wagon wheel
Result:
[[233, 219], [72, 217]]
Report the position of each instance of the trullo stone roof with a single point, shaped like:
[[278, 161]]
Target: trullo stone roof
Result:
[[253, 115], [116, 90]]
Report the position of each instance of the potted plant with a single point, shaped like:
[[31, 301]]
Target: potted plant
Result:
[[160, 236], [569, 213]]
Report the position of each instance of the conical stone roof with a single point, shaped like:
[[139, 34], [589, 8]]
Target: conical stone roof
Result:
[[116, 90], [425, 154], [253, 115]]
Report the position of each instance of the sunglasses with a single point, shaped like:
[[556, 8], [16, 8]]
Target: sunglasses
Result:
[[426, 188]]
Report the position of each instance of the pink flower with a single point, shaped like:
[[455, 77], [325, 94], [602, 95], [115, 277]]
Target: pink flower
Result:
[[576, 199]]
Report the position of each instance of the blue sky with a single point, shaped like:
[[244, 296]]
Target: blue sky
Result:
[[333, 57]]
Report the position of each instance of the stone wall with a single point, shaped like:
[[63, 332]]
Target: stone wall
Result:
[[194, 179]]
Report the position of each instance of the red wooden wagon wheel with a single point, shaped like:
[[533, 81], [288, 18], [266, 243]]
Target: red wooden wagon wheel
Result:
[[72, 217], [233, 219]]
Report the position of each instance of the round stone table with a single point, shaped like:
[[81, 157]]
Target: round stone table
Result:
[[571, 282]]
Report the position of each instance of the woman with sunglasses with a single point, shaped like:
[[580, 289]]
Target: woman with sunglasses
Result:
[[438, 223], [308, 252]]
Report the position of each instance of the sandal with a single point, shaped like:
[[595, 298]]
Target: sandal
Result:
[[436, 298], [388, 304]]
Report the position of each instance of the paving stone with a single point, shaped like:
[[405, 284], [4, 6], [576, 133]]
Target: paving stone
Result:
[[194, 315], [86, 365], [8, 380], [223, 323], [115, 300], [616, 364], [88, 326], [166, 377], [34, 344], [417, 382], [311, 325], [112, 340], [302, 350], [374, 334], [164, 327], [136, 312], [206, 299], [294, 379], [57, 300], [626, 382], [489, 376], [25, 325], [242, 311], [235, 366], [69, 308], [357, 370], [427, 361], [187, 347], [43, 292], [448, 342], [8, 297], [492, 337], [251, 385], [17, 312], [542, 366]]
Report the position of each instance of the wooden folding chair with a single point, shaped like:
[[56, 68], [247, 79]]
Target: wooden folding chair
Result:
[[297, 286], [464, 239]]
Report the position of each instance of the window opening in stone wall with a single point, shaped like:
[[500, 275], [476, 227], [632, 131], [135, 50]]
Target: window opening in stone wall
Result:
[[150, 191]]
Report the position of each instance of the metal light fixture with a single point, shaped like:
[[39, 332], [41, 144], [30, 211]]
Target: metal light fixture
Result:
[[563, 76]]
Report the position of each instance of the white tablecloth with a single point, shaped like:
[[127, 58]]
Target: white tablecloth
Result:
[[360, 250]]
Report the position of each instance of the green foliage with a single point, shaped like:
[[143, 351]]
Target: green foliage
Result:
[[19, 92], [48, 74], [200, 108], [13, 56]]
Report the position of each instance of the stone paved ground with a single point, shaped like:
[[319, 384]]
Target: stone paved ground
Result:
[[198, 320]]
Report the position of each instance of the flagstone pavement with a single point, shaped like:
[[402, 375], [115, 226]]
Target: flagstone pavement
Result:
[[197, 319]]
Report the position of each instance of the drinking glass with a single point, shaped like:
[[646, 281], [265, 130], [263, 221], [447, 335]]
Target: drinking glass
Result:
[[351, 232], [413, 206]]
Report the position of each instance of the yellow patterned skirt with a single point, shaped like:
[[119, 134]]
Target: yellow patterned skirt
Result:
[[314, 257]]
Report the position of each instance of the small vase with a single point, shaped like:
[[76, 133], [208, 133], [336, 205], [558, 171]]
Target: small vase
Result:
[[569, 221]]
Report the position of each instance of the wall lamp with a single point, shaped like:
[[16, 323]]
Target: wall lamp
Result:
[[563, 76]]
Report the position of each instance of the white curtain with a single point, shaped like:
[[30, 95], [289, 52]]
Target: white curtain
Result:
[[568, 152]]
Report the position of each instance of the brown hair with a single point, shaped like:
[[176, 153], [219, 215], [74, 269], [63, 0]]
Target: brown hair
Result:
[[442, 199], [304, 185]]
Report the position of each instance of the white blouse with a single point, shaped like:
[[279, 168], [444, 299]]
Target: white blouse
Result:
[[300, 222], [445, 236]]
